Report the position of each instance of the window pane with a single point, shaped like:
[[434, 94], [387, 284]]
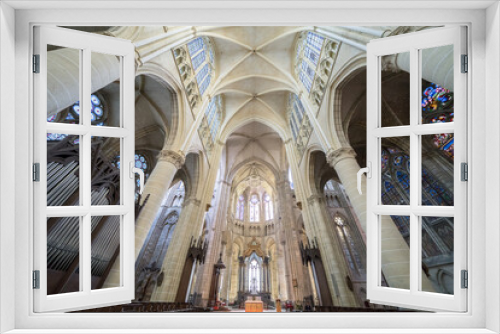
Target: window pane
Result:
[[106, 162], [63, 167], [437, 84], [198, 60], [63, 85], [106, 90], [437, 253], [395, 251], [106, 252], [395, 90], [437, 169], [395, 171], [63, 250]]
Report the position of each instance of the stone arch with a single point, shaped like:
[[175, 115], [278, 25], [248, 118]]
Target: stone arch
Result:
[[334, 124], [174, 120]]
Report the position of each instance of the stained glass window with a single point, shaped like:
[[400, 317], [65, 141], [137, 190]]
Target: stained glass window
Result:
[[198, 60], [213, 116], [310, 50], [140, 162], [254, 208], [438, 107], [348, 244], [202, 74], [297, 114], [195, 45], [71, 115], [240, 208], [268, 206], [315, 41], [202, 59], [395, 166]]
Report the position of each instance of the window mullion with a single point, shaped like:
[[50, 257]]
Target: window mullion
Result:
[[415, 230], [86, 175]]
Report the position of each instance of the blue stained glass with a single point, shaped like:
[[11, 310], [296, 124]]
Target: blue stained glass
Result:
[[293, 130], [315, 41], [76, 108], [202, 73], [306, 68], [195, 46], [306, 81], [403, 180], [210, 108], [297, 112], [312, 55], [98, 111], [204, 85], [198, 60], [95, 100], [211, 114]]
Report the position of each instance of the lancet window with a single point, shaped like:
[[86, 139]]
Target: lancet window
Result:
[[254, 208], [315, 57], [240, 208], [202, 61], [348, 244], [268, 206]]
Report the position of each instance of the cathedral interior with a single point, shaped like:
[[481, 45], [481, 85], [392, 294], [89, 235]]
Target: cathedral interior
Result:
[[250, 139]]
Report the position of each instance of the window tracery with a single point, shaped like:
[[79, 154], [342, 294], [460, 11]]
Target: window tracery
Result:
[[210, 123], [395, 165], [348, 244], [254, 208], [240, 208], [268, 206], [437, 107], [98, 116], [141, 162], [300, 124], [315, 57], [195, 61]]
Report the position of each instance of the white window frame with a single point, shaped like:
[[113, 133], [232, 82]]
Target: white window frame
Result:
[[86, 44], [414, 43], [482, 316]]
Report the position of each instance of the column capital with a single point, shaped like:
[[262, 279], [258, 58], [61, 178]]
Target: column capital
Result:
[[333, 157], [288, 141], [190, 201], [313, 198], [175, 158]]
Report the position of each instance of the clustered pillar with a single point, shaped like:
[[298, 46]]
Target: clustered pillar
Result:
[[395, 253]]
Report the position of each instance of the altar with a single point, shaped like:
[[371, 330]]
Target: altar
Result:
[[254, 305]]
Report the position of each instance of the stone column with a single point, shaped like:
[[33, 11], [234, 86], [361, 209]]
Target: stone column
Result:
[[395, 251], [157, 187], [63, 82], [175, 258], [241, 277], [333, 261], [437, 65], [265, 266]]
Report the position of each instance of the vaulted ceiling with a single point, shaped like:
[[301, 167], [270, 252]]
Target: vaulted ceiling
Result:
[[254, 74], [254, 69]]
